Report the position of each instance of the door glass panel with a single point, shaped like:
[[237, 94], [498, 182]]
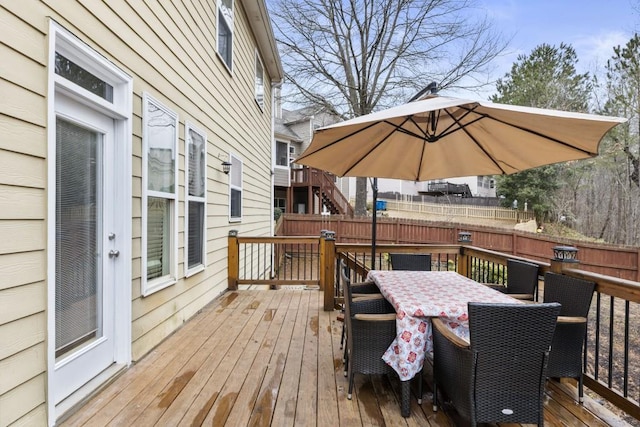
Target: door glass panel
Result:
[[78, 236]]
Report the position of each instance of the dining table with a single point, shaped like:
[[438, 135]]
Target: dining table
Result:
[[418, 296]]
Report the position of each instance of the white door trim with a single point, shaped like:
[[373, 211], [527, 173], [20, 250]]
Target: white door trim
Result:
[[121, 110]]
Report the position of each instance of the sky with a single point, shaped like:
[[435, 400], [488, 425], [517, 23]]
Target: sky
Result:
[[592, 27]]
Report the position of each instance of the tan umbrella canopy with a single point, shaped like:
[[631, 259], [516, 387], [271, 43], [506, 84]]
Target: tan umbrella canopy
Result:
[[442, 137]]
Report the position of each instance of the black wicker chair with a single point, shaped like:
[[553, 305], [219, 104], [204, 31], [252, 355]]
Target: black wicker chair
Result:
[[361, 290], [499, 376], [414, 262], [522, 280], [575, 295], [371, 328]]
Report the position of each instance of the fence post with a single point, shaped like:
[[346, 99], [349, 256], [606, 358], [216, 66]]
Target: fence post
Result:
[[233, 260], [327, 267]]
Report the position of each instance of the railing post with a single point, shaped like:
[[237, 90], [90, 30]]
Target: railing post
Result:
[[327, 267], [323, 254], [233, 260], [563, 255], [464, 238]]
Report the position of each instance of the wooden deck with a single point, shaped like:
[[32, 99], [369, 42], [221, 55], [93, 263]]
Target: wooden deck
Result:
[[259, 358]]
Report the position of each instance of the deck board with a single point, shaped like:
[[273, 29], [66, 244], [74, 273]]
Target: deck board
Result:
[[273, 357], [270, 387], [308, 389], [285, 409]]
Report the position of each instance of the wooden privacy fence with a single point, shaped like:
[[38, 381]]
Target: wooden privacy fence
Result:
[[610, 260]]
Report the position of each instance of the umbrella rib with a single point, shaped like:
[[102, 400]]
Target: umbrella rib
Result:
[[338, 140], [395, 128], [542, 135], [475, 141]]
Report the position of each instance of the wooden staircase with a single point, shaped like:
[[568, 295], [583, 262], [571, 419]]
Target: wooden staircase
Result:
[[322, 185]]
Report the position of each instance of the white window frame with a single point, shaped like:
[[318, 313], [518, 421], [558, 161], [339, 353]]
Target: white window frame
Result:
[[189, 198], [259, 82], [228, 20], [156, 284], [236, 170], [287, 154]]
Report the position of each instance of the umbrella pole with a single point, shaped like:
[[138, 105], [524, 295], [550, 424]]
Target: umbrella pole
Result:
[[374, 222]]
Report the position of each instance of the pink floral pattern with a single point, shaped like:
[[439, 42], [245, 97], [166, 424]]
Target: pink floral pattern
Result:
[[419, 295]]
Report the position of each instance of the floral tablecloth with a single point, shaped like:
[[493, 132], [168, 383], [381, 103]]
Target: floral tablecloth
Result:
[[419, 295]]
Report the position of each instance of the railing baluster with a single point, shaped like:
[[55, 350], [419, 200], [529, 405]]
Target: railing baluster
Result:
[[245, 257], [596, 365], [611, 330], [625, 387]]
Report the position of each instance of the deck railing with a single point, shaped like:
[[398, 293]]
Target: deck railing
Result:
[[275, 261], [612, 353]]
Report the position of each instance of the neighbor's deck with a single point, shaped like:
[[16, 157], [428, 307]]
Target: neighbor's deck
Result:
[[258, 358]]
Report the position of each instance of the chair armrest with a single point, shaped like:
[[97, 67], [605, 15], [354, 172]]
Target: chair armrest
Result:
[[448, 333], [362, 297], [524, 297], [375, 317], [571, 319]]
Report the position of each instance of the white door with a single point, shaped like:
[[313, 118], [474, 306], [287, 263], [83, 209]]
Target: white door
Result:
[[86, 247]]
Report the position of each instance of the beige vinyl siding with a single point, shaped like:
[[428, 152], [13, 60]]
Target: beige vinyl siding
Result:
[[23, 169], [194, 83], [169, 48], [281, 176]]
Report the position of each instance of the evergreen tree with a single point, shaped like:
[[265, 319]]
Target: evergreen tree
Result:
[[546, 78]]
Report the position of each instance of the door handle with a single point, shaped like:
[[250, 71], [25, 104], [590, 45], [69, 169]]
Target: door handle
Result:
[[114, 253]]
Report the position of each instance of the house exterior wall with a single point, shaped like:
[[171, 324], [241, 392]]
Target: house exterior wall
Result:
[[169, 49]]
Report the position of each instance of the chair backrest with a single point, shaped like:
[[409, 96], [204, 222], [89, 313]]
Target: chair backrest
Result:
[[346, 290], [508, 328], [522, 277], [574, 294], [344, 274], [415, 262], [510, 348]]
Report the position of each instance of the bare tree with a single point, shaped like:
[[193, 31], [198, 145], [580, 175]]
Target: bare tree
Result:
[[352, 57]]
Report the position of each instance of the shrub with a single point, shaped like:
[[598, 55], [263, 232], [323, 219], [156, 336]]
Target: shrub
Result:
[[277, 213]]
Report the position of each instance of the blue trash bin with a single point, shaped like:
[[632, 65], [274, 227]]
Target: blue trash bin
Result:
[[381, 205]]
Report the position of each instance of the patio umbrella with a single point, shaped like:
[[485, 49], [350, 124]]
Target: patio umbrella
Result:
[[442, 137]]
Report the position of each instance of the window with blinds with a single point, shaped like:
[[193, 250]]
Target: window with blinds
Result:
[[160, 141], [235, 189], [195, 171]]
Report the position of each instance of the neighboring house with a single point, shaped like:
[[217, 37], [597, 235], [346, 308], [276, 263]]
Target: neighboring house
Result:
[[479, 186], [115, 208], [293, 133]]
